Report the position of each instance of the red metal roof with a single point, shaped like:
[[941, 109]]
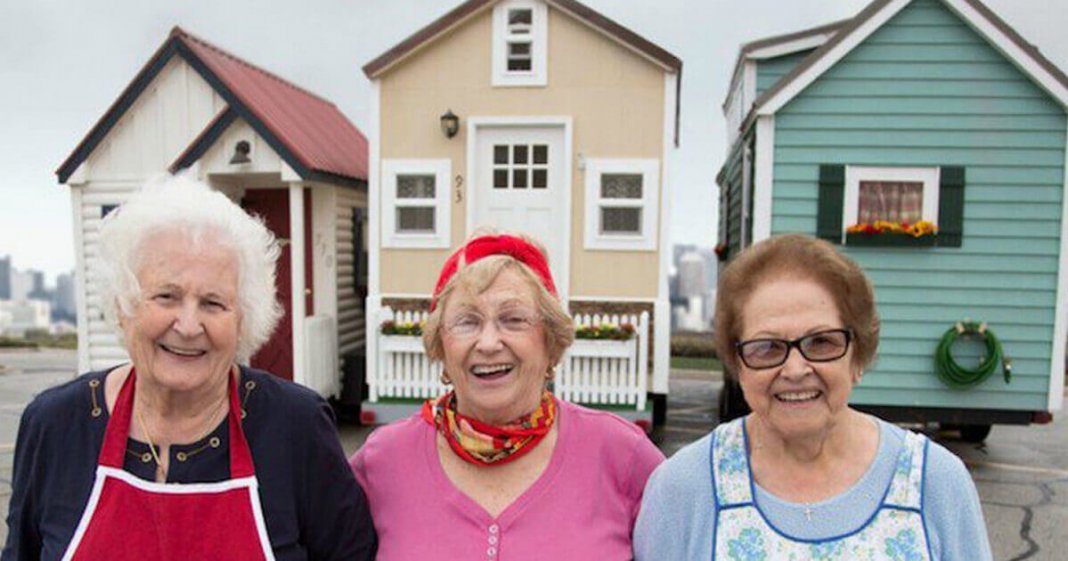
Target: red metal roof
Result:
[[317, 133], [309, 132]]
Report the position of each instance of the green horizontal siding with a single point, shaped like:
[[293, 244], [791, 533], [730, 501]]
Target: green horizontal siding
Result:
[[770, 70], [926, 90]]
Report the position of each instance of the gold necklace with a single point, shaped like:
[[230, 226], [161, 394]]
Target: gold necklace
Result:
[[161, 471]]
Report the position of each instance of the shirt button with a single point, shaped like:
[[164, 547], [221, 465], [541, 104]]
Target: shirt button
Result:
[[493, 540], [493, 529], [492, 552]]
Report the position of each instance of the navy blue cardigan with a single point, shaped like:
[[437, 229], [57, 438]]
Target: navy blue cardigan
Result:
[[313, 507]]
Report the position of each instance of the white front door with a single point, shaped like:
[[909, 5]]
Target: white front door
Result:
[[520, 186]]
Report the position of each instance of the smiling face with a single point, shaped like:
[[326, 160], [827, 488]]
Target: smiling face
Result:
[[799, 397], [499, 370], [183, 333]]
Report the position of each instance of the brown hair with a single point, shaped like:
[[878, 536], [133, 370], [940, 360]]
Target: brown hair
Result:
[[802, 257], [476, 277]]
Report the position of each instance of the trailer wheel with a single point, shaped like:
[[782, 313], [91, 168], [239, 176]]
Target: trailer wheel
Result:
[[974, 433]]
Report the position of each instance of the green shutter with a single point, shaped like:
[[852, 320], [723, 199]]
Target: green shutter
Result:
[[951, 206], [832, 194]]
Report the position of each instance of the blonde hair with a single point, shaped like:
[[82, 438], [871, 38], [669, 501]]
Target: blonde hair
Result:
[[475, 278]]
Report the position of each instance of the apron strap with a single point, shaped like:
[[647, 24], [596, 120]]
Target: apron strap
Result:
[[240, 456], [112, 454]]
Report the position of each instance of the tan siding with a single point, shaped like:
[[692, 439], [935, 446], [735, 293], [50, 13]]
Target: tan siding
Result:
[[615, 97]]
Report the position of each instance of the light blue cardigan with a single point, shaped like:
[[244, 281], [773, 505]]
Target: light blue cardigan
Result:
[[678, 510]]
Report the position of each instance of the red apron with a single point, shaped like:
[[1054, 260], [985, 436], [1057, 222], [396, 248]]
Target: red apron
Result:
[[128, 518]]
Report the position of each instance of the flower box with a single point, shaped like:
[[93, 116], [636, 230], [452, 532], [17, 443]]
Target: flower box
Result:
[[602, 348], [401, 343], [889, 239]]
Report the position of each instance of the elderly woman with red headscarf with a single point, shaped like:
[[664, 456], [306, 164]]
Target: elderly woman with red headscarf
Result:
[[498, 468]]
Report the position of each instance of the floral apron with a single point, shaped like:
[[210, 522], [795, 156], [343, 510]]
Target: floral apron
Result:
[[895, 532], [128, 518]]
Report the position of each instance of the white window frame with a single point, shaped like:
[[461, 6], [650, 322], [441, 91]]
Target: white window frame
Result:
[[649, 169], [929, 176], [441, 169], [539, 37]]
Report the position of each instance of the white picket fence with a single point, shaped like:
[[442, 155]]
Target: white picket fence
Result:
[[592, 371]]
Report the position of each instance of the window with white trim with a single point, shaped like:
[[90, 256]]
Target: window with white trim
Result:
[[519, 43], [621, 204], [890, 194], [415, 203]]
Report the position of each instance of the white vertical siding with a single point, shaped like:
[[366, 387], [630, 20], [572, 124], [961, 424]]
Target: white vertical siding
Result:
[[351, 323]]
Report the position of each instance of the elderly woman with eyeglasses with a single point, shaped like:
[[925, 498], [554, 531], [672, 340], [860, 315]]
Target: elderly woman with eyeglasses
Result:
[[184, 453], [497, 468], [805, 476]]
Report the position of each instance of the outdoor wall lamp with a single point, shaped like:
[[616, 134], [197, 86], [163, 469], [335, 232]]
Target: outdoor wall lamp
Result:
[[241, 151], [450, 124]]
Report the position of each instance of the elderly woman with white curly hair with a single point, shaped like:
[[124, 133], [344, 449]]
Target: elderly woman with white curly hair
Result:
[[183, 454]]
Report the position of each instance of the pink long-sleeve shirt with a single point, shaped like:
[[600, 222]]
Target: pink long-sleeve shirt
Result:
[[583, 506]]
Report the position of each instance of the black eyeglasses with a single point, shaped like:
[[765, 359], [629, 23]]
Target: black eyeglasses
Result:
[[823, 346]]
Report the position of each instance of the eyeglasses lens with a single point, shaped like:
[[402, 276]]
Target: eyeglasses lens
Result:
[[817, 347]]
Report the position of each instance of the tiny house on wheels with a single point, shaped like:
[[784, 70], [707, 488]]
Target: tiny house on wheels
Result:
[[538, 116], [927, 139], [280, 151]]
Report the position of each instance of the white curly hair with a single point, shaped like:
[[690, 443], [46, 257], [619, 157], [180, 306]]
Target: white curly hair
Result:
[[191, 208]]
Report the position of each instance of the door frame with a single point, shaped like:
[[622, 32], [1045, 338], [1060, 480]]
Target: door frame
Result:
[[562, 270]]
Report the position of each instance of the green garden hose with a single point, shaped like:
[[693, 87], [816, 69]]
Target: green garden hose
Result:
[[956, 376]]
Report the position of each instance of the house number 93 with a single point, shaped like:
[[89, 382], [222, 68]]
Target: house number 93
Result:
[[459, 188]]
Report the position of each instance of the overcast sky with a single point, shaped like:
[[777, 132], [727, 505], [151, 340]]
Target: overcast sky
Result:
[[62, 64]]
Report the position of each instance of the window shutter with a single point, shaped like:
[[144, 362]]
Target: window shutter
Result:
[[951, 206], [831, 197]]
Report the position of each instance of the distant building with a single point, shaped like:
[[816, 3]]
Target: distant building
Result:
[[63, 305], [38, 291], [18, 317], [21, 285], [5, 278], [692, 275]]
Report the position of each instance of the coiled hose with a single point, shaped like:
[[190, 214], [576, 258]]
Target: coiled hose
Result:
[[956, 376]]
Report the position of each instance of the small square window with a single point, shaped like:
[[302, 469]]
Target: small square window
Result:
[[500, 154], [883, 205], [519, 179], [621, 186], [621, 204], [415, 186], [890, 201], [519, 154], [519, 58], [519, 21], [540, 179], [415, 203], [541, 154], [415, 219], [500, 178], [621, 220]]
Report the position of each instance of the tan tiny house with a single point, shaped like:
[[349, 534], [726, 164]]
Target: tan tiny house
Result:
[[543, 117], [278, 150]]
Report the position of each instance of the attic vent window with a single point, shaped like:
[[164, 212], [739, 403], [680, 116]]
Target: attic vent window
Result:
[[519, 51], [519, 43]]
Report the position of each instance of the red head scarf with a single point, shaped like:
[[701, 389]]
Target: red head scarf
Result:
[[485, 246]]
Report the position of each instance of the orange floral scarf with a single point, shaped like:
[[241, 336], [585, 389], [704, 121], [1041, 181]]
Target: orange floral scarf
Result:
[[488, 445]]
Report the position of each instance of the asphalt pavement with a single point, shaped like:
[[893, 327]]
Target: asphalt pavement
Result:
[[1021, 472]]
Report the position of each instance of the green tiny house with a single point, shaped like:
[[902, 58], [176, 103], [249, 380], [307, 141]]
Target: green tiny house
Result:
[[940, 108]]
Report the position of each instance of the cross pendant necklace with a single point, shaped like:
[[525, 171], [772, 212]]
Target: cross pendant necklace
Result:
[[808, 513]]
